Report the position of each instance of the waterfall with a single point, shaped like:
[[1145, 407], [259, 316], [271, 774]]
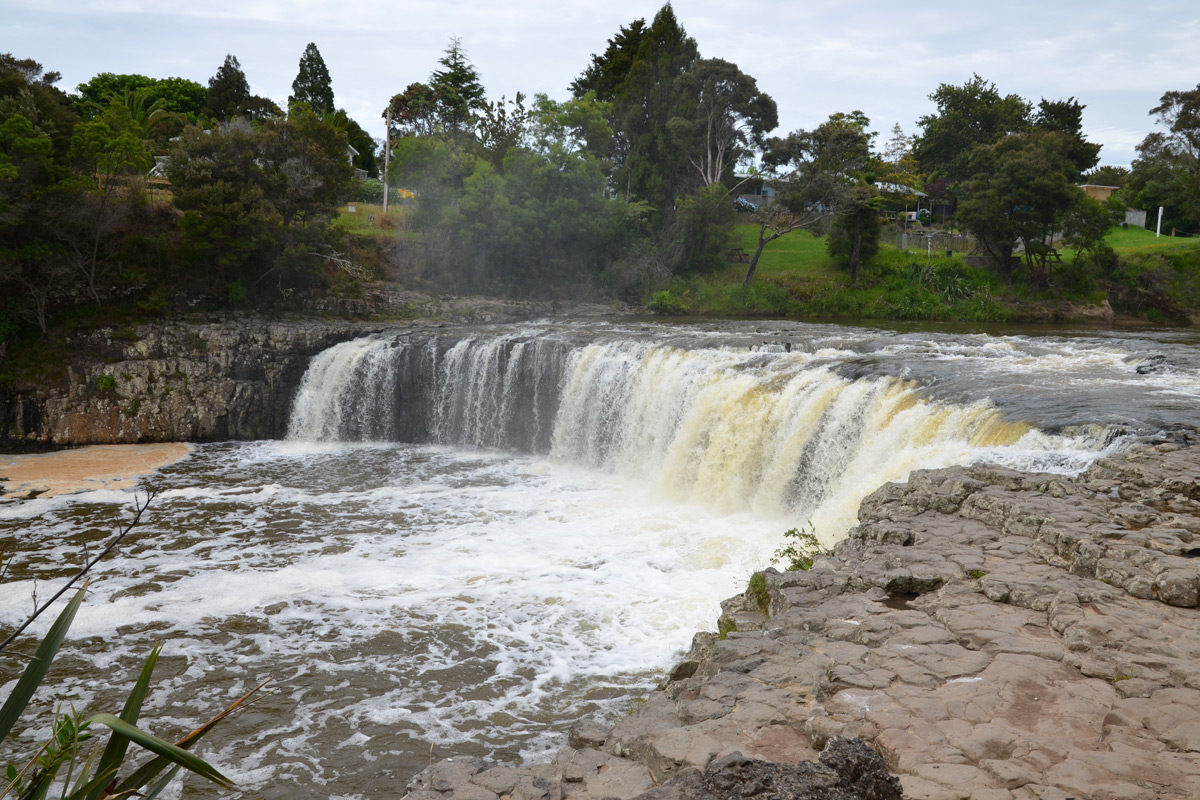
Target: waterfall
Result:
[[764, 429]]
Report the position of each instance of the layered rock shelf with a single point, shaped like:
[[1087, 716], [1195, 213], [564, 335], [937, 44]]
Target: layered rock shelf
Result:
[[991, 635], [233, 377]]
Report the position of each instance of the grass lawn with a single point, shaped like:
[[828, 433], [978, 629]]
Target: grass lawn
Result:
[[802, 256], [1133, 241], [797, 251]]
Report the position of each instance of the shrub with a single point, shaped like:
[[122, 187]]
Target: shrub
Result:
[[801, 550]]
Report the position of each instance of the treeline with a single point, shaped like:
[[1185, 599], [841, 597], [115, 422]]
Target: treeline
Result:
[[638, 177], [615, 189], [166, 191]]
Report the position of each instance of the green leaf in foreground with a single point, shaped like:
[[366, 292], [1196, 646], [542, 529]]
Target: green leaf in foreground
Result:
[[32, 677], [177, 755]]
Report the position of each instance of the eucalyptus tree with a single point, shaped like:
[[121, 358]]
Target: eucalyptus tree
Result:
[[721, 118]]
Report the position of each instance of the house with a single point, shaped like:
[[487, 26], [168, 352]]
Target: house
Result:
[[352, 154], [1098, 192], [753, 190]]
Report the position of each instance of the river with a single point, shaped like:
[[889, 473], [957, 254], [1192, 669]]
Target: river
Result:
[[471, 537]]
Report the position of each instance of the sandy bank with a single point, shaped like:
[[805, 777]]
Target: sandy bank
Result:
[[85, 469]]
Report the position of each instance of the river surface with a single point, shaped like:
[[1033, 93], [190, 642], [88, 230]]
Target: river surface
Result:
[[472, 537]]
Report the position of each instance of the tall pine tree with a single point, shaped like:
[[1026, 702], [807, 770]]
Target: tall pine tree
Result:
[[312, 84], [457, 82], [227, 90]]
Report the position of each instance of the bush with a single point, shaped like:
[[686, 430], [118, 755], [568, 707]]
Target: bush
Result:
[[367, 190], [663, 302], [801, 550]]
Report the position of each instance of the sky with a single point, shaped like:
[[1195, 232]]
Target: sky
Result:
[[813, 58]]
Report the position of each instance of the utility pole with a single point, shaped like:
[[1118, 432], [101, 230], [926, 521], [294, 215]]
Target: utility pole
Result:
[[1158, 230], [387, 155]]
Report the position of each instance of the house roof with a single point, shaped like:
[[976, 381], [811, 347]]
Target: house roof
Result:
[[898, 188]]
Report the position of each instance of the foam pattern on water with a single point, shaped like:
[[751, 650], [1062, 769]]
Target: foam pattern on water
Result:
[[408, 595]]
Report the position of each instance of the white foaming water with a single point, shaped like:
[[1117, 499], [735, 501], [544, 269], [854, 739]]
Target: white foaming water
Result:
[[761, 429], [409, 595], [435, 594]]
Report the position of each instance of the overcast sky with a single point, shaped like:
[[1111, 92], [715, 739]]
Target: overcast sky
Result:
[[813, 58]]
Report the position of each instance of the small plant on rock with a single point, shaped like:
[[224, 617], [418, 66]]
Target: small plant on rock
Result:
[[801, 550], [760, 592]]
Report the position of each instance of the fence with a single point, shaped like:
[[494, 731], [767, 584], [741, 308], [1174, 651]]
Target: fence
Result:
[[928, 242], [1135, 216]]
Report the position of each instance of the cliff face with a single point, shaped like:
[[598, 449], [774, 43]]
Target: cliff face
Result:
[[172, 381], [182, 381]]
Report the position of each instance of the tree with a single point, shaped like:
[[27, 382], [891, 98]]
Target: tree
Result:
[[459, 88], [417, 111], [605, 75], [501, 127], [1167, 170], [854, 238], [651, 168], [36, 128], [312, 84], [364, 146], [28, 90], [537, 223], [110, 157], [1107, 175], [968, 115], [227, 90], [145, 114], [701, 229], [175, 95], [1020, 193], [580, 125], [257, 200], [813, 173], [637, 74], [721, 117], [446, 106], [1066, 117], [261, 108]]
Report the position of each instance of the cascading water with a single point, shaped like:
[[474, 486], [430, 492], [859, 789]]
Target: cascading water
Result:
[[473, 537], [775, 431]]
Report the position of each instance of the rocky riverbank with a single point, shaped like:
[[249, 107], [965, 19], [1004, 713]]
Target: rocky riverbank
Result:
[[194, 380], [992, 635], [174, 381]]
